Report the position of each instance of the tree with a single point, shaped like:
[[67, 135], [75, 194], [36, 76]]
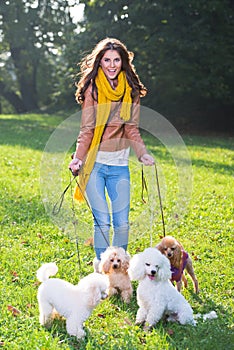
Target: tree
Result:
[[34, 34], [183, 51]]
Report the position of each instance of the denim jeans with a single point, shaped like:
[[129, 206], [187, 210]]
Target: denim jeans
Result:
[[114, 181]]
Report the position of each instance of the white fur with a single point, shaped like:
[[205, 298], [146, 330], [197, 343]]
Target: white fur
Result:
[[74, 302], [156, 296]]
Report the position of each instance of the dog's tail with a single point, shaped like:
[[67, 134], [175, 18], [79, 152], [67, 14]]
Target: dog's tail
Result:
[[46, 270]]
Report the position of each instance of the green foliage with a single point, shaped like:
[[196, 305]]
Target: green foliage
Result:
[[29, 238], [34, 35], [183, 54]]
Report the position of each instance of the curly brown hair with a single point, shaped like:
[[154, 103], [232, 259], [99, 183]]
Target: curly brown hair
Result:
[[90, 64]]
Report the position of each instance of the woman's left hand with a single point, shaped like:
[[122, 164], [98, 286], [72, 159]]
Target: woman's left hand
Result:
[[147, 159]]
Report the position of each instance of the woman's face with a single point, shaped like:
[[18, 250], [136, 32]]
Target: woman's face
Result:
[[111, 64]]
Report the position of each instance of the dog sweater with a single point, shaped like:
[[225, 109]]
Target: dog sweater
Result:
[[177, 272]]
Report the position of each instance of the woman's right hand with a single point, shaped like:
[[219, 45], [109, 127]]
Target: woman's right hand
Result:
[[75, 166]]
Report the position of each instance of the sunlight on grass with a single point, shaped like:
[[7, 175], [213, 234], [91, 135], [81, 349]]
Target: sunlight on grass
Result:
[[30, 237]]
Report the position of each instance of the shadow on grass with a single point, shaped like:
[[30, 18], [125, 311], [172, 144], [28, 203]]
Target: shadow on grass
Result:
[[31, 133], [210, 334], [162, 154], [213, 334], [216, 167], [20, 210]]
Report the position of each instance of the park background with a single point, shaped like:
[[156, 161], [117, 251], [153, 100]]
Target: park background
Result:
[[184, 55]]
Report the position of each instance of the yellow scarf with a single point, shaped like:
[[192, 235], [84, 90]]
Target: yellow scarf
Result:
[[105, 95]]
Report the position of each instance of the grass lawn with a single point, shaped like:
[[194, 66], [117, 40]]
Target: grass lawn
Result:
[[31, 181]]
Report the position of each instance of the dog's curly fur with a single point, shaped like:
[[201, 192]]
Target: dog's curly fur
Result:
[[156, 296], [74, 302], [114, 263], [173, 250]]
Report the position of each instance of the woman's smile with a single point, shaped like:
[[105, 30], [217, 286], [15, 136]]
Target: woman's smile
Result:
[[111, 64]]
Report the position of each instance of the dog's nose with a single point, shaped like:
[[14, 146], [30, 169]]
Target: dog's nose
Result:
[[115, 266], [153, 272], [169, 254]]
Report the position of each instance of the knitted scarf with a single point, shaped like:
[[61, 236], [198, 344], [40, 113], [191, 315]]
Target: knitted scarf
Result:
[[105, 95]]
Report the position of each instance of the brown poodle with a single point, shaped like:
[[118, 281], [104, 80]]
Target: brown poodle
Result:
[[114, 263], [179, 260]]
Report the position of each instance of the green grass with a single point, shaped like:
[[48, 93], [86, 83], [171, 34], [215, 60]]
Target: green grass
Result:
[[30, 236]]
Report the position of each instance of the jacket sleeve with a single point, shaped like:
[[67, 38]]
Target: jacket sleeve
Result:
[[87, 125], [132, 130]]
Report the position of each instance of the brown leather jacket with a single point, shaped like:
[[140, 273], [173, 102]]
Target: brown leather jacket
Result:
[[117, 134]]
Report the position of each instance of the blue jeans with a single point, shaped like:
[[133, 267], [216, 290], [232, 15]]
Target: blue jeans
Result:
[[114, 181]]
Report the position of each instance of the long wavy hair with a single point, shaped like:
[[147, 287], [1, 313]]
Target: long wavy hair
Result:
[[90, 64]]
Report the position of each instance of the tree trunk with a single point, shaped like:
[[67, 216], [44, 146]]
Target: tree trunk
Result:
[[26, 72], [12, 98]]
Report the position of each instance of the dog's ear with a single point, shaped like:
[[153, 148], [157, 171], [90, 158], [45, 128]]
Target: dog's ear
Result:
[[160, 247], [125, 265], [136, 268], [125, 261], [177, 256], [164, 272], [105, 266], [94, 296]]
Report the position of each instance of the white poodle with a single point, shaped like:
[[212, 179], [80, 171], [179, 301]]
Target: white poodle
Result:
[[74, 302], [156, 296]]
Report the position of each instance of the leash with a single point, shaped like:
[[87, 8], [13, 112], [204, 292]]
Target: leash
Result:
[[160, 200], [75, 222], [145, 188], [58, 205], [56, 209]]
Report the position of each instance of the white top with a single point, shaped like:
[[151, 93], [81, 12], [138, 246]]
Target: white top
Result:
[[119, 158]]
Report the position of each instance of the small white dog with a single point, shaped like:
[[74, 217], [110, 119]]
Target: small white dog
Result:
[[74, 302], [156, 296]]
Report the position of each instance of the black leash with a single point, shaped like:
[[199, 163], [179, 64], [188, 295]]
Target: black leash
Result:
[[145, 188], [160, 200], [75, 222], [58, 205]]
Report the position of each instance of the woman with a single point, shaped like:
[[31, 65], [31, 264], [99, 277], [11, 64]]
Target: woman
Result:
[[109, 91]]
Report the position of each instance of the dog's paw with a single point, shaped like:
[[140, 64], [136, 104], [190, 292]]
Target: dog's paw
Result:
[[139, 323], [126, 296], [148, 327], [80, 334]]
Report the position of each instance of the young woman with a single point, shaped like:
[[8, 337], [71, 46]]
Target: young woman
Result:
[[109, 91]]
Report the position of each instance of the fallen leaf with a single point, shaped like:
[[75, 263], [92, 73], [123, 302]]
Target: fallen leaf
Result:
[[14, 273], [170, 331], [101, 315], [36, 283], [13, 309], [127, 321]]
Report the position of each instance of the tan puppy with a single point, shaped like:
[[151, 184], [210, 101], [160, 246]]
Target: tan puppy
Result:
[[114, 263], [179, 260]]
